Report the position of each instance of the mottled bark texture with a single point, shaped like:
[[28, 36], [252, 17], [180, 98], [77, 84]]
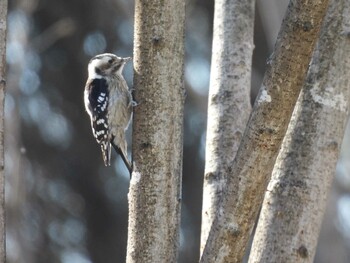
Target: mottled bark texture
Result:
[[155, 187], [3, 31], [295, 201], [229, 98], [265, 130]]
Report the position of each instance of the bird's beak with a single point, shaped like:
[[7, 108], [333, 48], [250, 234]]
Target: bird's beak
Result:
[[127, 59]]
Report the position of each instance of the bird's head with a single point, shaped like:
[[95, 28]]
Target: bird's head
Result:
[[106, 64]]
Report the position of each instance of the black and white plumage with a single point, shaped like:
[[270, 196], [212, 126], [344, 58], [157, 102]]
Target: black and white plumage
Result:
[[108, 102]]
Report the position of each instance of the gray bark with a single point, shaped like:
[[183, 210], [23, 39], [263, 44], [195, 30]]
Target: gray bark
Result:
[[3, 30], [155, 187], [295, 201], [229, 98], [263, 136]]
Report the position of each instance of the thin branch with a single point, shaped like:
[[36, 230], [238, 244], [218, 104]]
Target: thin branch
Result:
[[3, 30]]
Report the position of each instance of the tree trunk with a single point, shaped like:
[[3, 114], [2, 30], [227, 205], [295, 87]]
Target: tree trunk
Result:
[[229, 98], [3, 31], [155, 187], [295, 202], [263, 136]]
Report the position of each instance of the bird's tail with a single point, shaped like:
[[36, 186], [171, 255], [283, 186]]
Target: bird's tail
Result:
[[124, 157], [106, 153]]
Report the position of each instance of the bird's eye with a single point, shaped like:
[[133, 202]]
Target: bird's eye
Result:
[[110, 61], [98, 71]]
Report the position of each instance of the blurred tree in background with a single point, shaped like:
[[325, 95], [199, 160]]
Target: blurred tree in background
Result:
[[3, 65], [63, 205]]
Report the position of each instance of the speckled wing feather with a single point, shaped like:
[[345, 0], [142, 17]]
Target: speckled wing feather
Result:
[[98, 103]]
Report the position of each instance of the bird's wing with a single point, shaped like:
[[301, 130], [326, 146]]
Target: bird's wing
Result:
[[98, 103]]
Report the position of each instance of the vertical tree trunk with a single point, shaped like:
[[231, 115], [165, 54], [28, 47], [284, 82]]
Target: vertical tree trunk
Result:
[[155, 187], [229, 98], [3, 27], [295, 202], [263, 136]]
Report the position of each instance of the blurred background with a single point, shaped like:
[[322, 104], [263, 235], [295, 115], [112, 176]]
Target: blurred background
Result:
[[63, 205]]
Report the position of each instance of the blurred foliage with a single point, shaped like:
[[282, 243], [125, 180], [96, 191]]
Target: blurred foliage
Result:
[[63, 205]]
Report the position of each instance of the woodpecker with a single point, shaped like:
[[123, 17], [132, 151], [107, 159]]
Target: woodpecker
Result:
[[109, 103]]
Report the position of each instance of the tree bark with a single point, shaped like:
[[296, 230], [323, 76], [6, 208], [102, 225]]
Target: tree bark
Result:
[[263, 136], [295, 202], [155, 187], [229, 98], [3, 31]]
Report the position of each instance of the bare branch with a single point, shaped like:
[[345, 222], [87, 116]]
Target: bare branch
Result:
[[3, 30], [155, 188], [266, 128], [229, 98], [295, 202]]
